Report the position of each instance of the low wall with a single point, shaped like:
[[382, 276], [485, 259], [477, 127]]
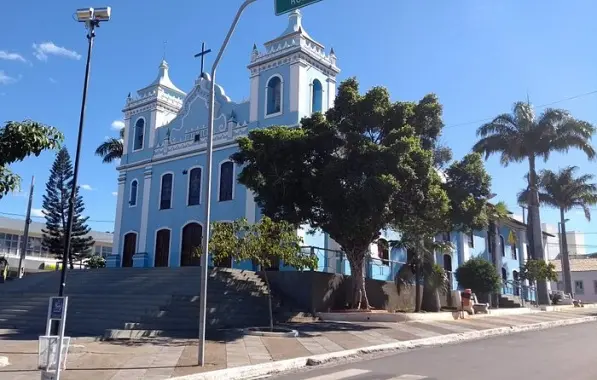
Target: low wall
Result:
[[321, 292]]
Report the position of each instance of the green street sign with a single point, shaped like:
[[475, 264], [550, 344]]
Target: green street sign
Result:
[[285, 6]]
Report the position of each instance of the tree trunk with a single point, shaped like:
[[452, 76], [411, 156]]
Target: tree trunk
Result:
[[357, 271], [418, 288], [496, 257], [537, 233], [269, 301], [566, 276]]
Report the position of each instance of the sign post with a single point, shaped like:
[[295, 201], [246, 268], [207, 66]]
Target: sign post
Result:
[[51, 359], [285, 6]]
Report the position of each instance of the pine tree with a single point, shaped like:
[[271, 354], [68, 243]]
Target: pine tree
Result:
[[55, 205]]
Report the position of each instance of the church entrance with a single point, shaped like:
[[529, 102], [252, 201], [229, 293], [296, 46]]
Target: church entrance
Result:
[[223, 263], [162, 248], [130, 246], [191, 245]]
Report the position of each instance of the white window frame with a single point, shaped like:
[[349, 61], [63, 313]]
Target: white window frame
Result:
[[171, 192], [135, 180], [582, 287], [266, 115], [189, 185], [135, 133], [233, 179]]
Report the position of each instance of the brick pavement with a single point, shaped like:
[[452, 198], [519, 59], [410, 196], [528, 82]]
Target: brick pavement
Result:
[[168, 357]]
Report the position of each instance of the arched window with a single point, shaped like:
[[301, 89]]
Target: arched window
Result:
[[129, 249], [274, 96], [139, 134], [133, 194], [194, 197], [503, 245], [383, 250], [513, 250], [166, 192], [162, 248], [317, 101], [226, 181]]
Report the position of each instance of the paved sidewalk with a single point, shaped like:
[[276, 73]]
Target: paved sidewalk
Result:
[[168, 357]]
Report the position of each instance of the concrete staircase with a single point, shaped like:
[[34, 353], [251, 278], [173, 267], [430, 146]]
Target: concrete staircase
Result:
[[139, 301], [510, 301]]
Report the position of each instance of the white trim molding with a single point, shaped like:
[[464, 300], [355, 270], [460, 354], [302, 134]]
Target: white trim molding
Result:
[[250, 206], [265, 104], [118, 221], [189, 170], [155, 243], [125, 140], [220, 179], [136, 181], [171, 192], [145, 209], [135, 133]]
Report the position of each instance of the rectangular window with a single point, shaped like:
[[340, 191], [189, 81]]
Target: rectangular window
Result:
[[579, 287], [471, 239], [194, 187], [166, 192], [446, 236], [226, 181]]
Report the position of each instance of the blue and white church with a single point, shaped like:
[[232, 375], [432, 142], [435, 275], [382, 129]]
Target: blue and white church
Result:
[[161, 182], [162, 179]]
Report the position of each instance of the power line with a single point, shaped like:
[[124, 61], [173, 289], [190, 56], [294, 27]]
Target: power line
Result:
[[43, 217], [540, 106]]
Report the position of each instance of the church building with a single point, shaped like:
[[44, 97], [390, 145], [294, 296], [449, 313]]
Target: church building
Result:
[[161, 182]]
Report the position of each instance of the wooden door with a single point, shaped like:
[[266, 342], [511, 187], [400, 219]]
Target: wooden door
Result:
[[191, 245], [130, 246], [162, 248]]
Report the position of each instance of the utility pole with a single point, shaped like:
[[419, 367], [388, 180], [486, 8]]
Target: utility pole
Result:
[[26, 232]]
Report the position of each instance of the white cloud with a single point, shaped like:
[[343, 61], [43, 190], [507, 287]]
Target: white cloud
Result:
[[43, 50], [6, 79], [86, 187], [114, 193], [52, 80], [117, 125], [37, 212], [12, 56]]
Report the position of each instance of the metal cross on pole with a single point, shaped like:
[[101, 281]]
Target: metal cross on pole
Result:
[[202, 54]]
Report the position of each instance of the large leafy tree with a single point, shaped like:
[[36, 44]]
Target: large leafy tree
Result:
[[19, 140], [111, 149], [56, 207], [521, 136], [351, 173], [262, 243], [565, 190]]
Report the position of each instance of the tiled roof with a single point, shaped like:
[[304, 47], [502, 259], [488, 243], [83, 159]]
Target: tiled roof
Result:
[[578, 265]]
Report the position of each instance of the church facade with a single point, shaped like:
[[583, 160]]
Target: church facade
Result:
[[162, 179]]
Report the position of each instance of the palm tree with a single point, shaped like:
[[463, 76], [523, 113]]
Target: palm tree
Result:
[[111, 149], [565, 191], [522, 136]]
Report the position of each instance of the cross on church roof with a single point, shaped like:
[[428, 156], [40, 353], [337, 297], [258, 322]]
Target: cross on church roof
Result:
[[202, 55]]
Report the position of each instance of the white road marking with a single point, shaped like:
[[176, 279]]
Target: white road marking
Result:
[[409, 377], [4, 361], [341, 375]]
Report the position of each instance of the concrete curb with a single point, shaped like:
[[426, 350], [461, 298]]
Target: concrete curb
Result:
[[270, 368]]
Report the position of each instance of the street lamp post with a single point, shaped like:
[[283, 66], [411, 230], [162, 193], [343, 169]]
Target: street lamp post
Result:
[[210, 128], [92, 18]]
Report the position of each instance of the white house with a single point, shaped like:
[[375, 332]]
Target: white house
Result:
[[584, 278]]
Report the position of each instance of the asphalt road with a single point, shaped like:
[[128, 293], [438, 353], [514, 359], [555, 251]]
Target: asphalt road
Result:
[[564, 353]]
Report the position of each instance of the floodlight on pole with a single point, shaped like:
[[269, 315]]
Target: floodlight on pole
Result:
[[92, 18]]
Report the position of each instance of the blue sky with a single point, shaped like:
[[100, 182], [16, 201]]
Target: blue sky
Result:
[[477, 56]]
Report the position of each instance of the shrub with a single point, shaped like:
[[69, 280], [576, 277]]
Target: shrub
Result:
[[95, 262], [479, 275]]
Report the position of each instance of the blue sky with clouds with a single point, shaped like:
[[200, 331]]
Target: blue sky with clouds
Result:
[[477, 56]]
